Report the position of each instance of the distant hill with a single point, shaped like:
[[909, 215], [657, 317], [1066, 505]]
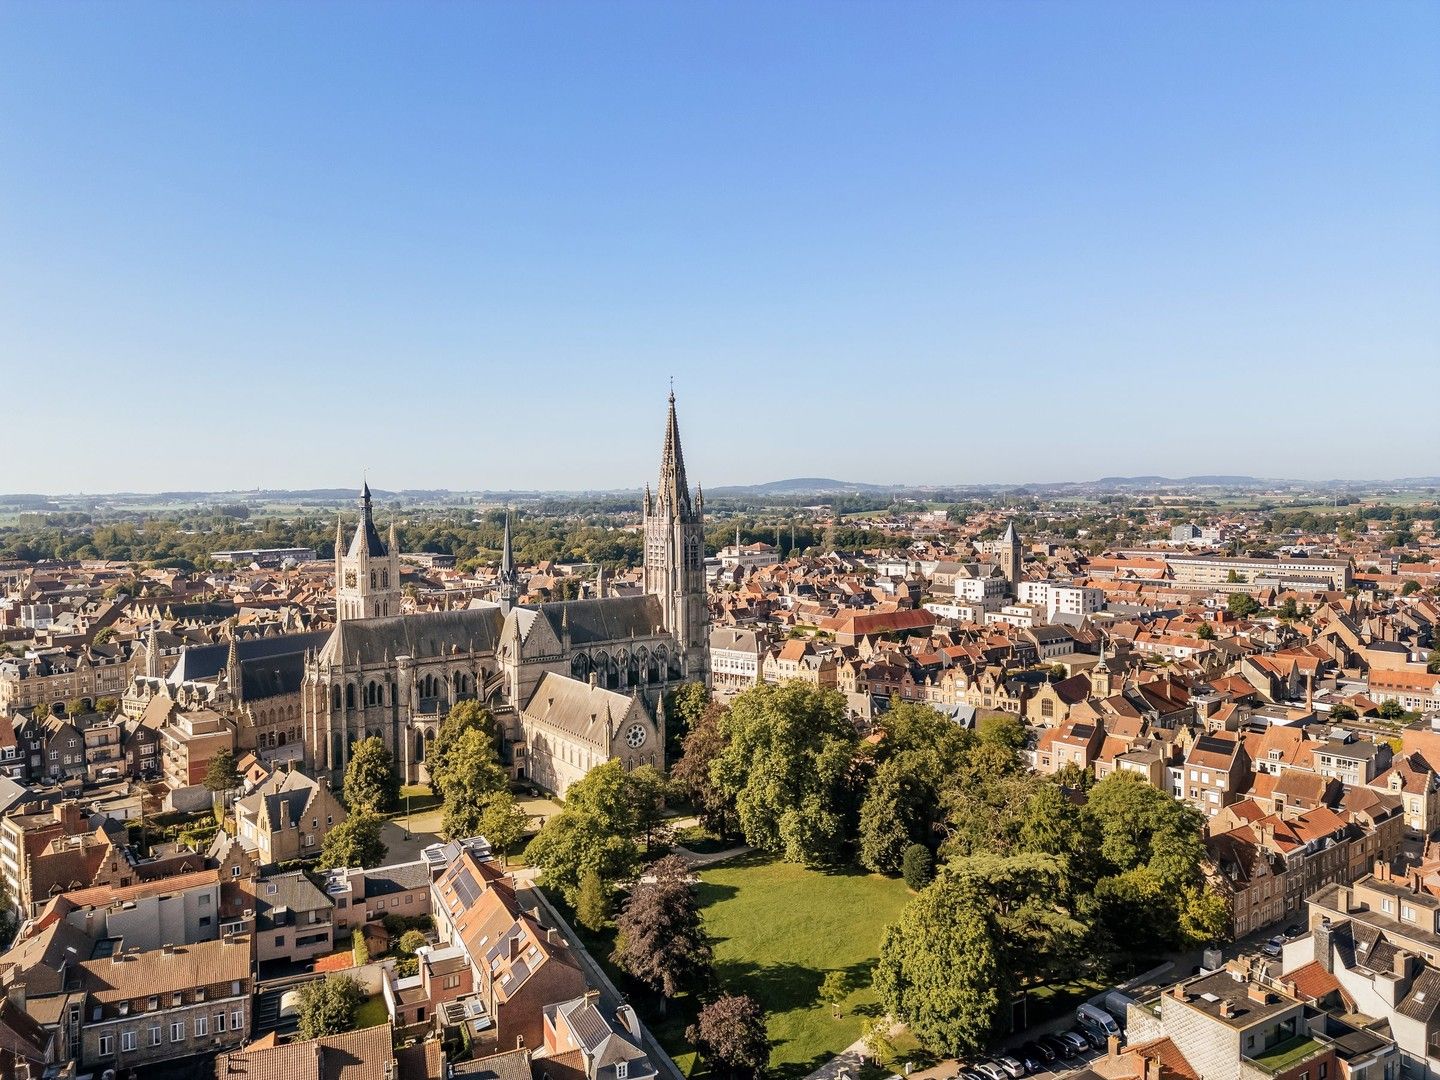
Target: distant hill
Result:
[[803, 485]]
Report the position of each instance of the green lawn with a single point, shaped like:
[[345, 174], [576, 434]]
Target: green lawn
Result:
[[372, 1013], [777, 930]]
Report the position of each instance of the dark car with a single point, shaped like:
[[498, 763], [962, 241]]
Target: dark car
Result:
[[1074, 1039], [1030, 1059], [1038, 1053], [1094, 1038], [1061, 1048], [1294, 930]]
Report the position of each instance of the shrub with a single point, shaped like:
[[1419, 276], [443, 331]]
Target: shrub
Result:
[[916, 866]]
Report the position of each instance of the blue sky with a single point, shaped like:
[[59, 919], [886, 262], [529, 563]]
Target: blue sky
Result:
[[464, 245]]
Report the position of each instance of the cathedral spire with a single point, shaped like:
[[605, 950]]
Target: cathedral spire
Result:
[[507, 554], [674, 488]]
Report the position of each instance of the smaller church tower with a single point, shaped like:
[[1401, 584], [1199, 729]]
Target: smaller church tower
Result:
[[367, 575], [1011, 558], [509, 581]]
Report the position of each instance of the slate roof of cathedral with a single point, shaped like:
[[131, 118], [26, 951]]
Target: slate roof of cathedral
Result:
[[577, 708], [610, 618], [424, 635], [198, 663]]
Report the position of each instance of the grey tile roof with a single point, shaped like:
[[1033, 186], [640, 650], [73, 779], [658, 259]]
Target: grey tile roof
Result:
[[422, 635]]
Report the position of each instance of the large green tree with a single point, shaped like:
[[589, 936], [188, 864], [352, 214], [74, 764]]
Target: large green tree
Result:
[[941, 969], [503, 822], [788, 767], [919, 754], [1149, 855], [354, 842], [600, 829], [371, 782], [471, 775], [463, 716], [328, 1006]]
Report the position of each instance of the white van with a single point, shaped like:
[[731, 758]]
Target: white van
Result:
[[1097, 1020]]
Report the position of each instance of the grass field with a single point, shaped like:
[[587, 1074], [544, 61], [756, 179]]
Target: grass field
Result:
[[777, 930]]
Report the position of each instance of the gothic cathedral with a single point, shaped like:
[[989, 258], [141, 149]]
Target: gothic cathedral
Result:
[[571, 684]]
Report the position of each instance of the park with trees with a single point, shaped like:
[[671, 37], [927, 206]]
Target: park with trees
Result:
[[927, 875]]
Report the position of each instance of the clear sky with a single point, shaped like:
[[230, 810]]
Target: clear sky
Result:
[[464, 244]]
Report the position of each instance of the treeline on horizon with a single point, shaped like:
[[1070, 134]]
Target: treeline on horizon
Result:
[[186, 541]]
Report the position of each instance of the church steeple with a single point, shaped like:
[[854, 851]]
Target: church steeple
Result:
[[509, 591], [507, 554], [675, 554], [674, 491]]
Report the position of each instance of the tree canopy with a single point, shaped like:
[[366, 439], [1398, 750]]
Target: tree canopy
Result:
[[371, 783], [600, 829], [354, 842], [787, 766], [220, 773], [661, 939], [328, 1006]]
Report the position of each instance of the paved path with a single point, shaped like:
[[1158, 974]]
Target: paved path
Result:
[[697, 859]]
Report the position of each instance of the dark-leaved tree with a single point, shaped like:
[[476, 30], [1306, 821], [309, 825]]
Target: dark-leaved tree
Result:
[[661, 939]]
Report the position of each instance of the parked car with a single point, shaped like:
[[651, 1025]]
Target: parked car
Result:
[[1294, 930], [1036, 1051], [1275, 946], [1076, 1041], [1013, 1066], [1030, 1060], [969, 1075], [991, 1071], [1096, 1040], [1058, 1046]]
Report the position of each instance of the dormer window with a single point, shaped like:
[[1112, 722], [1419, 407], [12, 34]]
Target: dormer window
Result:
[[622, 1070]]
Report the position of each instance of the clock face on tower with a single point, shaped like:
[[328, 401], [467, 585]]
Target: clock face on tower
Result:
[[635, 736], [350, 579]]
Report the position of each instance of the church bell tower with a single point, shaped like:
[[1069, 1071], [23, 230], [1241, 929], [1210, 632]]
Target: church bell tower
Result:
[[675, 555], [367, 574]]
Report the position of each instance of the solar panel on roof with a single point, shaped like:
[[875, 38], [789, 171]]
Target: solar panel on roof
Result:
[[466, 888]]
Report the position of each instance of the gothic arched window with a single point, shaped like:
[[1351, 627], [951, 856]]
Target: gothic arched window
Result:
[[580, 666], [349, 695], [335, 697]]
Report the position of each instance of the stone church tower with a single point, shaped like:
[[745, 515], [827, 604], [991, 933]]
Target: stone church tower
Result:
[[367, 575], [1011, 557], [675, 555]]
